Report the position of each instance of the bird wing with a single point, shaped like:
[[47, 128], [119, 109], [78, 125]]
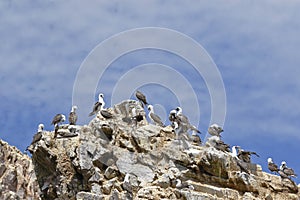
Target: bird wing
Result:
[[96, 108], [140, 96], [106, 114], [56, 119]]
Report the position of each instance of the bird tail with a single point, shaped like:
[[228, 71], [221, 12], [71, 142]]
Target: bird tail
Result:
[[91, 114]]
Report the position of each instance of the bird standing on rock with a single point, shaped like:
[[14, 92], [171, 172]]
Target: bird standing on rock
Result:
[[154, 117], [245, 155], [286, 170], [59, 118], [37, 137], [183, 121], [215, 130], [73, 116], [272, 166], [98, 105]]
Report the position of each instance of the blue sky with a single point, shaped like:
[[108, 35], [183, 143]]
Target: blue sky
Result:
[[254, 45]]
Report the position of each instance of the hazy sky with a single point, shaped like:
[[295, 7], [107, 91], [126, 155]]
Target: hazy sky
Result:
[[254, 46]]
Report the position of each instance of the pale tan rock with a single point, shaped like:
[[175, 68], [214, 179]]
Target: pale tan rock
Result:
[[93, 165]]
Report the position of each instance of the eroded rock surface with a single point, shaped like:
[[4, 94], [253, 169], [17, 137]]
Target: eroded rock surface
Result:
[[120, 158], [17, 177]]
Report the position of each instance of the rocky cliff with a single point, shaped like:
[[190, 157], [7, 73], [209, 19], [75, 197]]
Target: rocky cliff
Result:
[[17, 177], [120, 158]]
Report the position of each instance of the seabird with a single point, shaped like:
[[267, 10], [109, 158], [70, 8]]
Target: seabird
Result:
[[37, 137], [141, 97], [286, 170], [183, 121], [98, 105], [220, 145], [154, 117], [126, 183], [196, 139], [73, 116], [272, 166], [59, 118], [234, 151], [215, 130], [181, 185], [137, 117], [245, 155], [172, 118]]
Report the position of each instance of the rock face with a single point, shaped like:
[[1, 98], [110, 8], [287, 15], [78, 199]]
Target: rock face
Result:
[[17, 177], [120, 158]]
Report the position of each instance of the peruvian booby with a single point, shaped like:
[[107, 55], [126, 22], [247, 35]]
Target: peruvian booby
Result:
[[181, 185], [173, 119], [286, 170], [234, 152], [245, 155], [141, 97], [98, 105], [73, 116], [243, 166], [215, 130], [195, 138], [218, 144], [183, 121], [37, 137], [136, 117], [39, 134], [272, 166], [126, 183], [221, 146], [59, 118], [154, 117]]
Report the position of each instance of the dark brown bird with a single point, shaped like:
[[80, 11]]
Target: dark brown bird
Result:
[[272, 166], [59, 118], [245, 155], [141, 97], [220, 145], [104, 113], [73, 116]]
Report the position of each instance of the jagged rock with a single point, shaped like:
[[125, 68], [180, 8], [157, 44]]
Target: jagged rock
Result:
[[17, 177], [92, 161], [88, 196]]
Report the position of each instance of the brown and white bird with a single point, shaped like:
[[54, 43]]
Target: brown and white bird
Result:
[[272, 166], [286, 170], [73, 116], [59, 118], [245, 155], [215, 130], [141, 97], [98, 105], [221, 146], [37, 137], [183, 121], [195, 138], [154, 117]]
